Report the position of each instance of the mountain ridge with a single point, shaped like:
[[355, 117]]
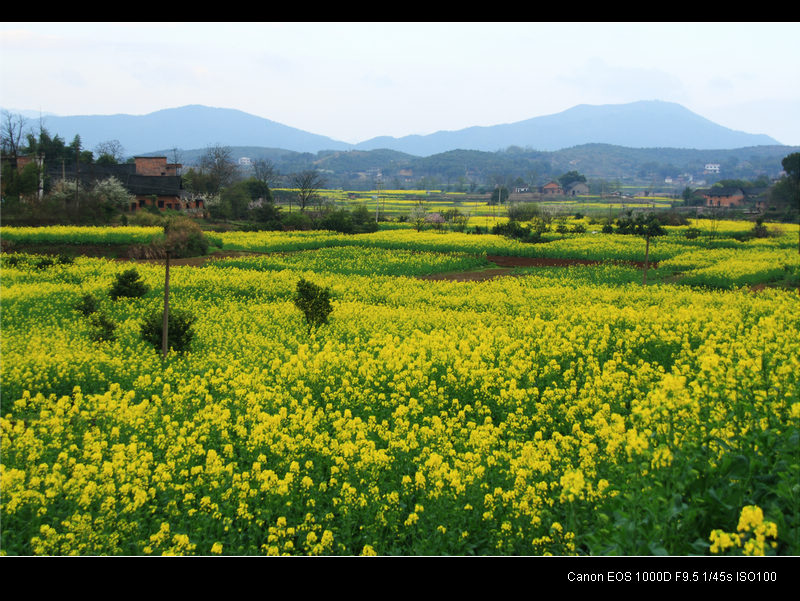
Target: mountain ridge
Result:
[[641, 124]]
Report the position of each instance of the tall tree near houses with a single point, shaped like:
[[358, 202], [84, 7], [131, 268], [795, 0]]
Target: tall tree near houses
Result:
[[218, 164]]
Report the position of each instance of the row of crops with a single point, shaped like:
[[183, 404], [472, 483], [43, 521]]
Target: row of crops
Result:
[[567, 411]]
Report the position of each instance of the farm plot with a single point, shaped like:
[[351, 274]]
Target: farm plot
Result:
[[568, 412]]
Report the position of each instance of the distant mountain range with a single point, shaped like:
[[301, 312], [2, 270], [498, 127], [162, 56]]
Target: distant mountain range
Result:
[[644, 124]]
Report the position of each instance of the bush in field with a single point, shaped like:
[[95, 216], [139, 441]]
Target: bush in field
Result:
[[515, 231], [338, 221], [102, 327], [296, 221], [87, 305], [363, 220], [314, 302], [759, 229], [524, 211], [179, 330], [184, 238], [128, 284]]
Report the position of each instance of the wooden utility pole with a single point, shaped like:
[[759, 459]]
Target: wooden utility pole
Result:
[[165, 331]]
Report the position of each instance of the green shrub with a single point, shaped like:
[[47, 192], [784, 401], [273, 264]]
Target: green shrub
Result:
[[185, 238], [339, 220], [45, 262], [314, 302], [128, 285], [87, 305], [296, 221], [523, 211], [515, 231], [179, 330], [102, 327]]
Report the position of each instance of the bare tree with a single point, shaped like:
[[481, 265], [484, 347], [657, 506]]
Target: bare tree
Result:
[[111, 151], [177, 156], [11, 131], [217, 163], [264, 171], [307, 183]]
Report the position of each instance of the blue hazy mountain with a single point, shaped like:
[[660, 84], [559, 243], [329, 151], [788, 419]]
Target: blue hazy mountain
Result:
[[644, 124], [187, 127]]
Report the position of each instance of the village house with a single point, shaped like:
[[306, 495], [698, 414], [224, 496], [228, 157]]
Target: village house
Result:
[[151, 180], [576, 189], [552, 188], [724, 197], [155, 182]]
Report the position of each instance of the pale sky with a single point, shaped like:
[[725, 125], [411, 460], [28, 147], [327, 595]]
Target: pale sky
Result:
[[355, 81]]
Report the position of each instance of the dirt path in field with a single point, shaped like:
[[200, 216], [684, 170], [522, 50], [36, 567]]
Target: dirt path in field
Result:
[[196, 261]]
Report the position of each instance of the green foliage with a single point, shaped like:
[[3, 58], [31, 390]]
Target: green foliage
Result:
[[515, 231], [103, 329], [363, 220], [643, 225], [759, 229], [297, 221], [180, 332], [314, 302], [338, 221], [570, 178], [499, 195], [128, 284], [184, 238], [267, 213], [524, 211], [87, 305]]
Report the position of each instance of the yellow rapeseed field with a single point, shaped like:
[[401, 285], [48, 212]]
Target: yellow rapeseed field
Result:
[[567, 413]]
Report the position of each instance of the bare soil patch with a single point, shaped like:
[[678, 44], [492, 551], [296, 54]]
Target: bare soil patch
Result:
[[195, 261]]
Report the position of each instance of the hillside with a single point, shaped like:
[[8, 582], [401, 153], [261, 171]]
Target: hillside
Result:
[[644, 124], [461, 169]]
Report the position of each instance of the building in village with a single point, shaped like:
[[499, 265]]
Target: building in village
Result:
[[552, 188], [152, 181], [577, 189]]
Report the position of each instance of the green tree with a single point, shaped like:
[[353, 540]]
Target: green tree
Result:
[[570, 178], [418, 214], [314, 302], [791, 165], [647, 226], [499, 195], [128, 284], [180, 330]]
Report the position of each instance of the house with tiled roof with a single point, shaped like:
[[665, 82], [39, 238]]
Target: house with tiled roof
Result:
[[724, 197], [553, 188]]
